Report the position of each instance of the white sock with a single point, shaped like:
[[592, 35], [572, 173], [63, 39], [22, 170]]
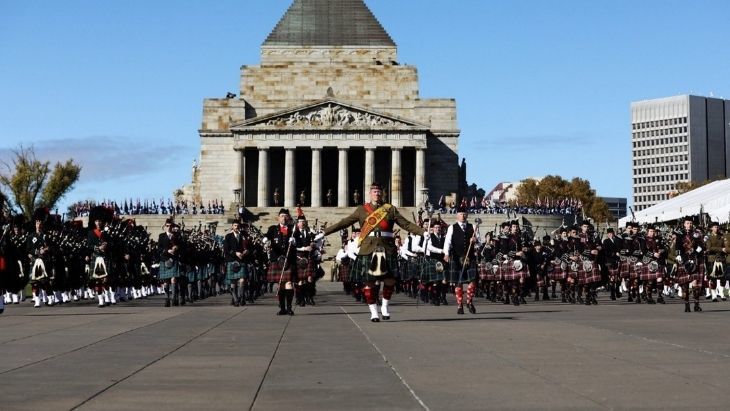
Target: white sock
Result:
[[15, 299], [105, 296], [101, 300], [384, 308], [720, 290], [707, 292], [679, 292], [623, 286], [713, 293], [373, 310], [111, 297], [36, 301]]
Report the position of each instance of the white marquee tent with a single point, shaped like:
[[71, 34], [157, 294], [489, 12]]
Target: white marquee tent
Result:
[[713, 199]]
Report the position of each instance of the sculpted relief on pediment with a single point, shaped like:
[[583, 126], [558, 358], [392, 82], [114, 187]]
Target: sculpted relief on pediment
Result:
[[332, 115]]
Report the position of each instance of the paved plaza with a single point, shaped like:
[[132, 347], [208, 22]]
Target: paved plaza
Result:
[[210, 355]]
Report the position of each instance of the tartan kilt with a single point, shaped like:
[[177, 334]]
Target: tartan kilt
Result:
[[614, 271], [413, 267], [273, 273], [589, 277], [359, 273], [343, 271], [626, 268], [454, 275], [305, 268], [558, 274], [232, 275], [509, 273], [428, 271], [683, 277], [646, 275], [167, 273], [487, 274]]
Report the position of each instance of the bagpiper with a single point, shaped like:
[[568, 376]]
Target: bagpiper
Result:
[[236, 253], [282, 260], [169, 249], [377, 258], [460, 252]]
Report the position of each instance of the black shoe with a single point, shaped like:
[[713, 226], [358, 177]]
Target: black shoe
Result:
[[167, 302], [522, 300], [714, 300], [282, 312], [660, 299], [386, 317], [290, 311], [686, 308], [698, 308], [545, 297], [631, 298], [375, 320], [460, 310], [471, 308]]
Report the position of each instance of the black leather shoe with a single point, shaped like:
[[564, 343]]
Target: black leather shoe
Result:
[[290, 311], [386, 317], [375, 320], [697, 307], [471, 308], [282, 312], [686, 308], [460, 310]]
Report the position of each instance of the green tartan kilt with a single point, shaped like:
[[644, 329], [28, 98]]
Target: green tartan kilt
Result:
[[167, 273], [360, 268], [413, 267], [232, 275], [454, 273], [429, 272]]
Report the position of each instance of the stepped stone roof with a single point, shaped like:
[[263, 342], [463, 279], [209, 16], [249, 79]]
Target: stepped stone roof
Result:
[[329, 23]]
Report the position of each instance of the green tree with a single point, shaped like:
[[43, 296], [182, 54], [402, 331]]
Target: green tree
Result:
[[31, 183]]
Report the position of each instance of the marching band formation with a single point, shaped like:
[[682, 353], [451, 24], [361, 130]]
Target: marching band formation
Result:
[[114, 260]]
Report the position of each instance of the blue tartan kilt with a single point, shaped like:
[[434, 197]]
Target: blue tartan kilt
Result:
[[343, 270], [360, 270], [454, 273], [167, 273], [429, 271], [413, 267], [232, 275]]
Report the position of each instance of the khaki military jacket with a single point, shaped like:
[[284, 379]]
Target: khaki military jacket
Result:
[[370, 243]]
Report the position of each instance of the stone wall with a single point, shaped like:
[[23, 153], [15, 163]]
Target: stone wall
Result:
[[217, 172]]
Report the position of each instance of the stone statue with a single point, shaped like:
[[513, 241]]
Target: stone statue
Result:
[[302, 199], [329, 197], [356, 197], [277, 197]]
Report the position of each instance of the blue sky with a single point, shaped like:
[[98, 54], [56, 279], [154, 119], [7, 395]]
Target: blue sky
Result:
[[542, 87]]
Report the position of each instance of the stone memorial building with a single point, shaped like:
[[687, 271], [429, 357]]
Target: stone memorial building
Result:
[[327, 111]]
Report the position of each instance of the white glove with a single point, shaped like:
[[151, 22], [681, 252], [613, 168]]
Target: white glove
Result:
[[292, 240], [319, 237], [679, 259]]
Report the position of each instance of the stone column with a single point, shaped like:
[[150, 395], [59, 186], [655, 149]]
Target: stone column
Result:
[[290, 192], [395, 178], [238, 172], [369, 169], [420, 174], [316, 177], [342, 179], [263, 189]]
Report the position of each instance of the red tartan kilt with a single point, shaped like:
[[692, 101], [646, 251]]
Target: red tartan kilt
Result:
[[343, 272], [589, 277], [305, 268], [683, 277], [273, 274], [558, 274], [540, 280], [508, 272], [646, 275], [486, 274], [627, 269]]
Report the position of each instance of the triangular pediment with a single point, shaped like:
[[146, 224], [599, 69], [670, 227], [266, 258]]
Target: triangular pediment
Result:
[[328, 114]]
